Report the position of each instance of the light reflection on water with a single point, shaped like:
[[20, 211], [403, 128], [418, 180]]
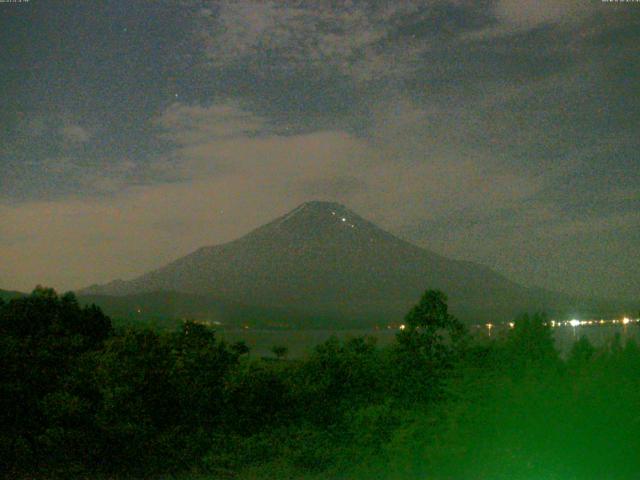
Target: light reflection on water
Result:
[[301, 342], [565, 336], [597, 335]]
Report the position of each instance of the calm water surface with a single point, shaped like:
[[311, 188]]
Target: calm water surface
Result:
[[301, 342]]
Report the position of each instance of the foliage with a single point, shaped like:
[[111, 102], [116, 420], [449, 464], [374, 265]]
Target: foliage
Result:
[[280, 351], [431, 341], [80, 400], [531, 348], [44, 402]]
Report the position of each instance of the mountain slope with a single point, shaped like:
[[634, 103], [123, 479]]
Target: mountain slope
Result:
[[322, 260], [166, 309], [7, 295]]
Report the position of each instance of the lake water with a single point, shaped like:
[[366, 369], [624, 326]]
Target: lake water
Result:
[[301, 342]]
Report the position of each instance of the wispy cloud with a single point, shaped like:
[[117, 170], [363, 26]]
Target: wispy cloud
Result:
[[74, 134], [363, 41], [195, 124], [527, 15], [495, 130]]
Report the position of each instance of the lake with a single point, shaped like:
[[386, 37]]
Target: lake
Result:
[[302, 342]]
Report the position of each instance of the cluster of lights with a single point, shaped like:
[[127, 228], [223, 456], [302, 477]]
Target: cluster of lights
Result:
[[344, 220], [553, 323], [574, 322], [577, 323], [208, 323]]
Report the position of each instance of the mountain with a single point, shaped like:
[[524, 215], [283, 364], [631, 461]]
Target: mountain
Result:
[[7, 295], [322, 263], [166, 309]]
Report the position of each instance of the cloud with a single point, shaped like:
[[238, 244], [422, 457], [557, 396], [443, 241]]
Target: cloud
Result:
[[73, 242], [595, 225], [527, 15], [299, 33], [54, 125], [223, 140], [517, 17], [194, 124], [403, 163], [59, 177], [365, 42], [487, 130], [75, 134]]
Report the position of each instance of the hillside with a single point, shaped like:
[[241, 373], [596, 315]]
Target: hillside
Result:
[[164, 309], [323, 262], [9, 294]]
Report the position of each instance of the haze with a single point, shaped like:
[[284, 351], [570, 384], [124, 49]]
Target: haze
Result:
[[507, 134]]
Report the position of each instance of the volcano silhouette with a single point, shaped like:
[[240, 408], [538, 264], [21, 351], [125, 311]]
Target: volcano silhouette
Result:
[[323, 262]]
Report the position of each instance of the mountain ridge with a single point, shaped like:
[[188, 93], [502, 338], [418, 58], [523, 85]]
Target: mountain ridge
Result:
[[7, 295], [326, 260]]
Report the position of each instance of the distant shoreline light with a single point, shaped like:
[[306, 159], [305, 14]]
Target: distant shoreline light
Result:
[[574, 323]]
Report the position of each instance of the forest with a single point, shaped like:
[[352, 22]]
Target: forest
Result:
[[81, 397]]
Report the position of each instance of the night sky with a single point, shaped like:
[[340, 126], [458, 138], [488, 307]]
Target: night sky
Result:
[[504, 132]]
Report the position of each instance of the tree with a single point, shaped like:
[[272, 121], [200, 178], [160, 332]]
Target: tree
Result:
[[339, 376], [581, 353], [257, 396], [431, 341], [46, 341], [138, 403], [430, 330], [200, 364], [531, 347], [240, 348], [280, 351]]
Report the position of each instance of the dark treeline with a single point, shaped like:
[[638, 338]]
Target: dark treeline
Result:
[[80, 399]]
